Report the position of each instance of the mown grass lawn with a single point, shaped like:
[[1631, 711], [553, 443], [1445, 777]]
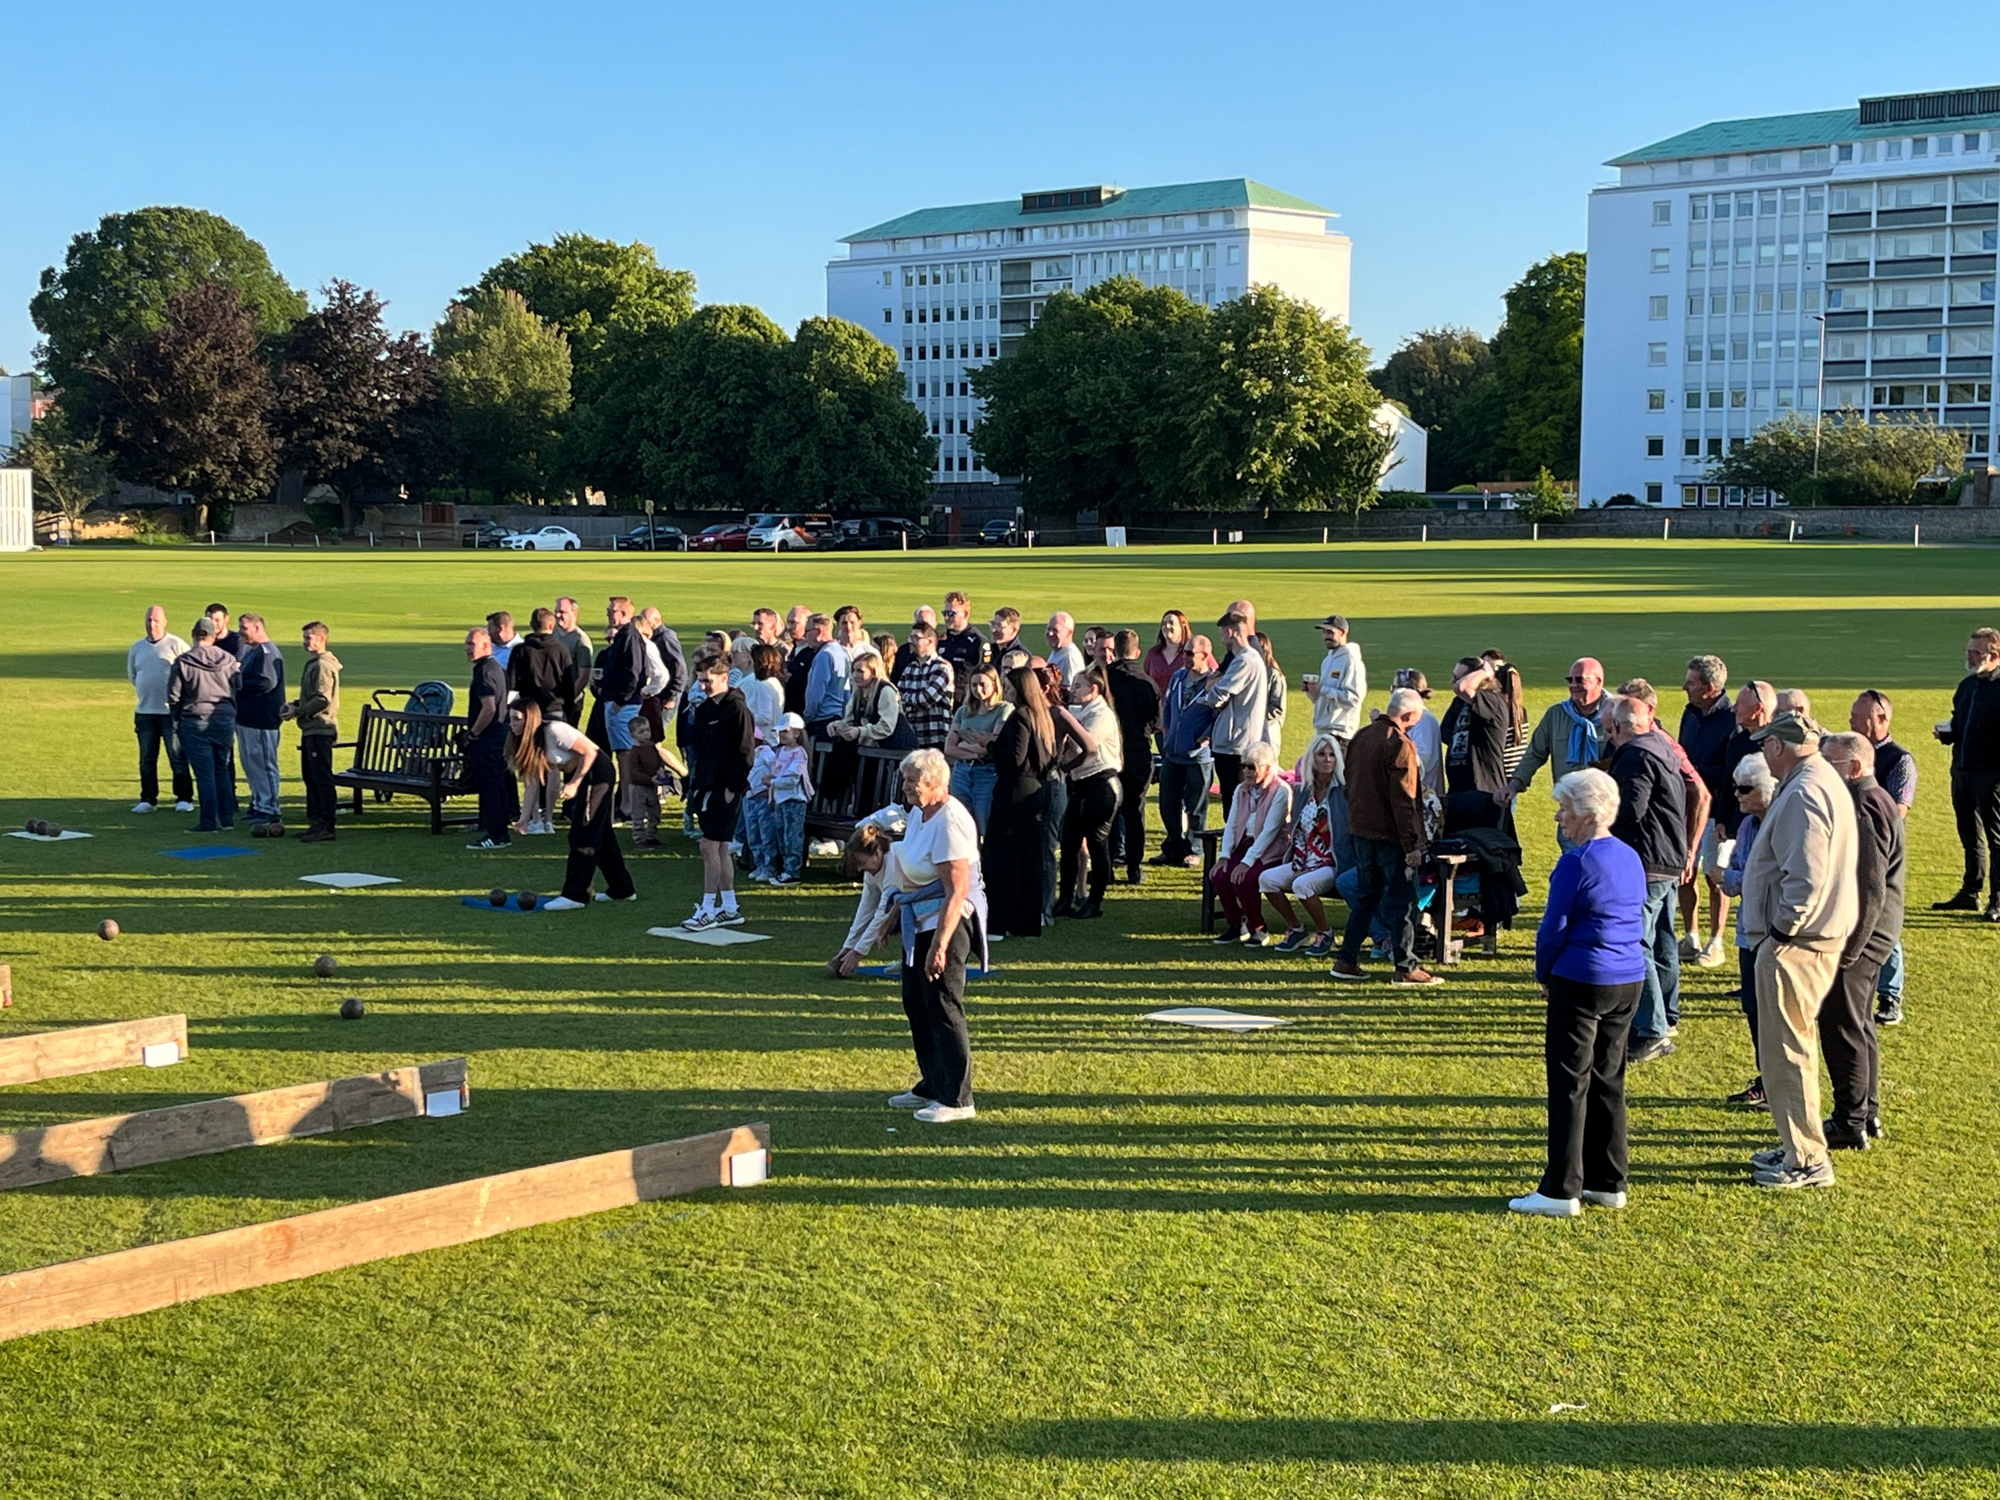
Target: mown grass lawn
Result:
[[1159, 1263]]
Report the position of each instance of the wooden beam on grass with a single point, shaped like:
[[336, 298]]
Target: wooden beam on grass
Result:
[[116, 1143], [78, 1292], [36, 1055]]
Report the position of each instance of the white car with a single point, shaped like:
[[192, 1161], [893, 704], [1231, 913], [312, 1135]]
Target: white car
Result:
[[785, 532], [545, 539]]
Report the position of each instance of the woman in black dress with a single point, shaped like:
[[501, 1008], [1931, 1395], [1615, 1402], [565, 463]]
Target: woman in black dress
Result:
[[1023, 755]]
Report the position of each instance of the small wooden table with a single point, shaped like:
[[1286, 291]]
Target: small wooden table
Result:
[[1210, 840]]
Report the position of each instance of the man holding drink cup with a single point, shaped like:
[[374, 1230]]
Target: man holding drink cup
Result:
[[1340, 685]]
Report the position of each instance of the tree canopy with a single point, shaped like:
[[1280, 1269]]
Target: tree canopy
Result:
[[838, 435], [1430, 375], [1859, 462], [506, 379], [1526, 412], [117, 282]]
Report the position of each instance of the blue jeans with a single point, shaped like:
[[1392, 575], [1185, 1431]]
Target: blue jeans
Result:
[[1183, 805], [1889, 985], [210, 747], [972, 783], [258, 750], [759, 833], [1347, 885], [788, 832], [1385, 889], [1052, 845], [156, 732], [1660, 997]]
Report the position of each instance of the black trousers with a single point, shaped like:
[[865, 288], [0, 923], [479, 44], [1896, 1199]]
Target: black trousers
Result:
[[1847, 1040], [1975, 800], [1228, 776], [486, 763], [1011, 858], [936, 1010], [1584, 1046], [156, 733], [593, 842], [1129, 838], [316, 771], [1093, 808], [1746, 967]]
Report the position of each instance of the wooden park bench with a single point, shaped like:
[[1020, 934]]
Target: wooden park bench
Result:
[[875, 785], [418, 755]]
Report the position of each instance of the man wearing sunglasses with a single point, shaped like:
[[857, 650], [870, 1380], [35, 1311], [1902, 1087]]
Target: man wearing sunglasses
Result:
[[1569, 737]]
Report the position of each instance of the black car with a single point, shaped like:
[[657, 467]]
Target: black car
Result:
[[1000, 534], [483, 534], [871, 533], [658, 537]]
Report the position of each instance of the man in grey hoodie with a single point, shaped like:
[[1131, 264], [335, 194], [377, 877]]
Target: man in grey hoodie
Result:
[[201, 701], [1237, 696]]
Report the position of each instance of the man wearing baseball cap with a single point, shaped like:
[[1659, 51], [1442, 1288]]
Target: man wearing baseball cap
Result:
[[1799, 906], [1342, 684]]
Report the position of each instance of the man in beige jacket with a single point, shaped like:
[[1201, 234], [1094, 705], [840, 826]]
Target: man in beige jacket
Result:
[[1799, 905]]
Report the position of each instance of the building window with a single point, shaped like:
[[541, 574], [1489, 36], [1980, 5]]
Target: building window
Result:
[[1694, 350], [1656, 355], [909, 316], [1656, 401], [1663, 213], [1662, 260], [1971, 140], [1738, 400], [1655, 494], [906, 351], [1715, 447], [1846, 153], [1715, 400], [1920, 146], [1691, 447], [1692, 400], [1656, 308], [1656, 447], [1721, 166], [1812, 156], [888, 315]]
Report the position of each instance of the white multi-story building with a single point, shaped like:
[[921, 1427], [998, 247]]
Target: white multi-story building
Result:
[[951, 288], [1813, 262]]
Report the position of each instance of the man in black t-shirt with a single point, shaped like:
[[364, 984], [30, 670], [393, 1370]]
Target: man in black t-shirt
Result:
[[486, 740], [958, 643], [1136, 701], [1474, 733]]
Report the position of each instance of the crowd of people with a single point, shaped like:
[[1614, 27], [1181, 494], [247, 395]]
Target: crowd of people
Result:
[[1025, 774]]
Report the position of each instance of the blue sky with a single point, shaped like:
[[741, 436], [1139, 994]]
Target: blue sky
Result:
[[408, 146]]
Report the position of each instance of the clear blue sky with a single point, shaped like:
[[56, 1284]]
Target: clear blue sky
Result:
[[408, 146]]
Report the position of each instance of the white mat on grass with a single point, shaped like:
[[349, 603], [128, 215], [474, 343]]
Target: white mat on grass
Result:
[[1210, 1019], [349, 880], [713, 937], [43, 838]]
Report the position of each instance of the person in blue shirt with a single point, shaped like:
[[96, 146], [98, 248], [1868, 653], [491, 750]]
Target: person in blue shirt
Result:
[[1590, 962]]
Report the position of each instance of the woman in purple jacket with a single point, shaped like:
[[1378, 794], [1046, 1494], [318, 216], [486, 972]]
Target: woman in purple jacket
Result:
[[1590, 963]]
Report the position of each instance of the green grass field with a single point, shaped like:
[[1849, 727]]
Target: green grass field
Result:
[[1159, 1263]]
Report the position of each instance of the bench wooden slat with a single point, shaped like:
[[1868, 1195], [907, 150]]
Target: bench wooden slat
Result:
[[419, 755]]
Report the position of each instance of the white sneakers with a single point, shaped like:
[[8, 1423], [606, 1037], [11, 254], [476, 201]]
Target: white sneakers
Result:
[[1603, 1200], [183, 806], [607, 896], [142, 807], [701, 921], [728, 917], [945, 1114], [910, 1100], [562, 903], [1546, 1207]]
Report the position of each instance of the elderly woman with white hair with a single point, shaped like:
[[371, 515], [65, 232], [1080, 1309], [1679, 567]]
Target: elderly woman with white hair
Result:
[[1755, 786], [1590, 963], [1256, 838], [942, 904]]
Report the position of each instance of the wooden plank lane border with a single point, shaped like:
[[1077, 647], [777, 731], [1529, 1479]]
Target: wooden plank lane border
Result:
[[79, 1292], [117, 1143], [36, 1055]]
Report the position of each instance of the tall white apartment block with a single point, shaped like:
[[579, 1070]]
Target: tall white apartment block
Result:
[[1813, 262], [951, 288]]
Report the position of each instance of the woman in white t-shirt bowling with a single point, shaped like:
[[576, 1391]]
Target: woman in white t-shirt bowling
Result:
[[940, 896], [588, 784]]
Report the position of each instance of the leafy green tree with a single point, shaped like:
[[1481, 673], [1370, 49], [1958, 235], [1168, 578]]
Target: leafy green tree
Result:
[[601, 294], [1858, 462], [839, 435], [70, 472], [187, 404], [354, 406], [506, 380], [117, 282], [1546, 500], [1088, 411], [1526, 412], [1430, 375], [713, 378], [1285, 414]]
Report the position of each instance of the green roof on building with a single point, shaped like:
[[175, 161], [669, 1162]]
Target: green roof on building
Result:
[[1821, 127], [1132, 203]]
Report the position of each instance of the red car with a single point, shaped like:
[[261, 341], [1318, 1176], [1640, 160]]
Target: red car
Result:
[[731, 536]]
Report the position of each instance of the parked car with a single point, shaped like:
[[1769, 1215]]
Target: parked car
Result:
[[728, 537], [483, 534], [658, 537], [1000, 534], [786, 532], [870, 533], [545, 539]]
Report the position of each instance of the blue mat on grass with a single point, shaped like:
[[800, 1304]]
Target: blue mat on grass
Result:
[[480, 903], [208, 851], [881, 971]]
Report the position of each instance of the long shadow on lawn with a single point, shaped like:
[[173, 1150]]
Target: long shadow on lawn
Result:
[[1556, 1444]]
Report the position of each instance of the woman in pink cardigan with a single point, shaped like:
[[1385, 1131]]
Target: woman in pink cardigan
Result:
[[1256, 837]]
